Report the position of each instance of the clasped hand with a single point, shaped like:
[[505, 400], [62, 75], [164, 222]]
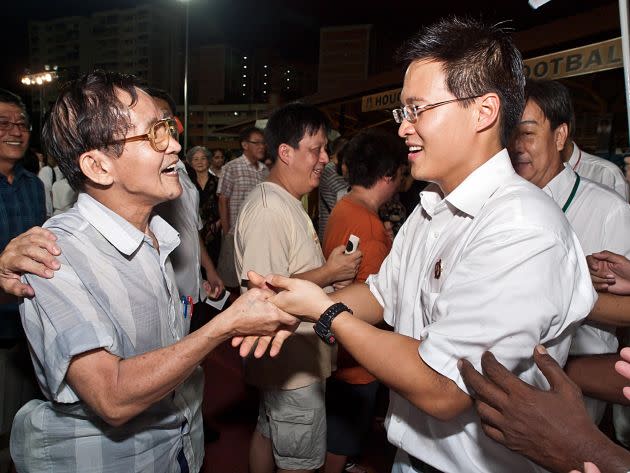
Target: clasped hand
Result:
[[305, 300]]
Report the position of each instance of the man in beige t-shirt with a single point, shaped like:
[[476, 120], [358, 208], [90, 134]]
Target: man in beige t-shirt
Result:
[[275, 235]]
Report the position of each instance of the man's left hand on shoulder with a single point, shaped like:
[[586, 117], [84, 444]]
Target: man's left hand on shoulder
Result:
[[31, 252]]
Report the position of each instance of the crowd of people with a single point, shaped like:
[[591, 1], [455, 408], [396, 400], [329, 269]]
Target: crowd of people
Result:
[[487, 302]]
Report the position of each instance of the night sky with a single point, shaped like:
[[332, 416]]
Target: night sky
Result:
[[289, 26]]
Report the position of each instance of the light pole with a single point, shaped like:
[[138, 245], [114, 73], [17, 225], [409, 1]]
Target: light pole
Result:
[[187, 2], [40, 79]]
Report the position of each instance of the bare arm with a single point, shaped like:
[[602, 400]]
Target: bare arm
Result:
[[390, 357], [119, 389], [595, 375], [224, 213], [338, 267], [611, 309], [394, 360]]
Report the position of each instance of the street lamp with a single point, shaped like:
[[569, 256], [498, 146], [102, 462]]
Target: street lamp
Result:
[[187, 2], [40, 80]]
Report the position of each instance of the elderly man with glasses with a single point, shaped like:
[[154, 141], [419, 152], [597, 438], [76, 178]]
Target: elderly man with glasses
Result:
[[22, 206], [108, 333]]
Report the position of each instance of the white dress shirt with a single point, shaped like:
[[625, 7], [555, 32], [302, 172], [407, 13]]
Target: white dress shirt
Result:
[[493, 266], [601, 220], [183, 215], [599, 170], [49, 176]]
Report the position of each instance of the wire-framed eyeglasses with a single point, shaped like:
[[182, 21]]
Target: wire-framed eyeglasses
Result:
[[6, 125], [411, 112], [158, 136]]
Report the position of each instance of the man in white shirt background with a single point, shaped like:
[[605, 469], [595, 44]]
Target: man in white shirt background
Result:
[[599, 216], [469, 269], [593, 167]]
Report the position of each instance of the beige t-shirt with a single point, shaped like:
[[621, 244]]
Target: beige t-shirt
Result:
[[275, 235]]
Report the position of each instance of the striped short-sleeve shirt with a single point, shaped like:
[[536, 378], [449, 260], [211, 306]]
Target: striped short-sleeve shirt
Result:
[[114, 291], [238, 179]]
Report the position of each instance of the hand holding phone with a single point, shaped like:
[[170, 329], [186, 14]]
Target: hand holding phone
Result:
[[352, 245]]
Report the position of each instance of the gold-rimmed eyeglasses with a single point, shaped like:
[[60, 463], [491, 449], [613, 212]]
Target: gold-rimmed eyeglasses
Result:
[[411, 112], [158, 136]]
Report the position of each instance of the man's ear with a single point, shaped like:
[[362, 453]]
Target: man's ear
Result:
[[97, 167], [489, 108], [284, 153], [561, 134]]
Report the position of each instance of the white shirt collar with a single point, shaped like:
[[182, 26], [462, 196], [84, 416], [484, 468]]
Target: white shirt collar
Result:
[[575, 156], [471, 195], [120, 233], [560, 187]]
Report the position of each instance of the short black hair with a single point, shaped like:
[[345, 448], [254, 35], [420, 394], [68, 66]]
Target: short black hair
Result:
[[9, 97], [247, 133], [372, 155], [88, 115], [554, 100], [477, 58], [162, 94], [290, 123]]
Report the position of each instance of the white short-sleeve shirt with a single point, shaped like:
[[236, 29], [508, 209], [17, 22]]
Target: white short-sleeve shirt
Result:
[[601, 220], [493, 266], [599, 170]]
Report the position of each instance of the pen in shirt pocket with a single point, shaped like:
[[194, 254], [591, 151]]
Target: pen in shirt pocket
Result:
[[184, 301]]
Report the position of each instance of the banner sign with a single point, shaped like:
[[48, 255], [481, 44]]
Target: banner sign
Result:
[[576, 62], [381, 101], [572, 62]]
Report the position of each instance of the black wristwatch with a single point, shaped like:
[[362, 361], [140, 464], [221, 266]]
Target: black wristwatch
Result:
[[322, 327]]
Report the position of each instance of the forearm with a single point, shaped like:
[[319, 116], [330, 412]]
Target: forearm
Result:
[[394, 360], [611, 309], [360, 299], [593, 446], [595, 375], [224, 213], [320, 276], [129, 386]]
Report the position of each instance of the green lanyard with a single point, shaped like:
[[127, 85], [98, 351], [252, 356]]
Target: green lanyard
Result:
[[572, 195]]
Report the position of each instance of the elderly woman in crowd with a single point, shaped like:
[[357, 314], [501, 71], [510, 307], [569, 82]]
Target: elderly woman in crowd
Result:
[[198, 157]]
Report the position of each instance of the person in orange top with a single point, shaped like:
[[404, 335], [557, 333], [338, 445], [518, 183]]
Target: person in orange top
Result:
[[375, 162]]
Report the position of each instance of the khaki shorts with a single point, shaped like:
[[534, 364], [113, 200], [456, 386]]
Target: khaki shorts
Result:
[[295, 421], [226, 267]]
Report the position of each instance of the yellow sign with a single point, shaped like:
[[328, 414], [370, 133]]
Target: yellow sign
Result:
[[572, 62], [575, 62], [381, 101]]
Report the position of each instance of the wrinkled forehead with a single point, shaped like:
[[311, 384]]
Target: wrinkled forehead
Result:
[[143, 112]]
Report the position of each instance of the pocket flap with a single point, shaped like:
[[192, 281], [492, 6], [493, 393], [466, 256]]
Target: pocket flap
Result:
[[294, 415]]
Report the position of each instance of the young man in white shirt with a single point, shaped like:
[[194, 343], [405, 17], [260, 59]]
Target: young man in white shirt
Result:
[[469, 269]]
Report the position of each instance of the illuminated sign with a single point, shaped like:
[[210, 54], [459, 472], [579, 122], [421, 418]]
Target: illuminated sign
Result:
[[576, 62], [381, 101]]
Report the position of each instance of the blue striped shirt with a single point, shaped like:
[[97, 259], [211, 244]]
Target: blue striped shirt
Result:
[[113, 291], [22, 206]]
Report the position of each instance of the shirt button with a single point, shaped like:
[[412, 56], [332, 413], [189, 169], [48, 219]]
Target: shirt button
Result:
[[436, 234]]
